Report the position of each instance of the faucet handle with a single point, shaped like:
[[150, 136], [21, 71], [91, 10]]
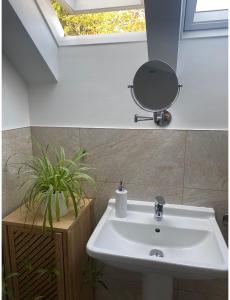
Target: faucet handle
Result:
[[159, 203], [159, 200]]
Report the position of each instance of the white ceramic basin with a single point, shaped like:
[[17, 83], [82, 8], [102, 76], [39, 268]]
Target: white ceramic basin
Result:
[[189, 238]]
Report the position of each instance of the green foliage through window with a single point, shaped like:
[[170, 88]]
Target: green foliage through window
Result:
[[100, 22]]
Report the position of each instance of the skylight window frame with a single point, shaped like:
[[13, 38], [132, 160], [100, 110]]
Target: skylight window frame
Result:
[[190, 25], [101, 8], [57, 31]]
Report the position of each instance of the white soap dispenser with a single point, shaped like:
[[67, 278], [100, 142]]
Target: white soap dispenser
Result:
[[121, 201]]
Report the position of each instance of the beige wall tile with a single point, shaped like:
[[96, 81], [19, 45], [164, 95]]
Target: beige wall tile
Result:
[[184, 295], [206, 160], [120, 292], [122, 285], [151, 163], [149, 192], [217, 287], [106, 190], [66, 137], [16, 147], [208, 198], [138, 156]]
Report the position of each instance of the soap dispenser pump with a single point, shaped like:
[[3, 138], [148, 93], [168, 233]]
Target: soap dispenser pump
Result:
[[121, 201]]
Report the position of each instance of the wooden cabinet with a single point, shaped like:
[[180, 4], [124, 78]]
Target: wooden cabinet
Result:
[[48, 264]]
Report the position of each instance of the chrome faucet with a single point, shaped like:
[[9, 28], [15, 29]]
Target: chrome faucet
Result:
[[159, 203]]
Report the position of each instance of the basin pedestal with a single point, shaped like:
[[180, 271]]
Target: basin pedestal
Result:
[[157, 287]]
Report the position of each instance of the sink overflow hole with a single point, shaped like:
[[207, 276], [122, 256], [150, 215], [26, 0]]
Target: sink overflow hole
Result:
[[157, 230], [156, 252]]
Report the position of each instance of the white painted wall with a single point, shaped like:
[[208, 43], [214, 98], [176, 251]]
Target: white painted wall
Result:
[[15, 107], [92, 89], [39, 32], [203, 71]]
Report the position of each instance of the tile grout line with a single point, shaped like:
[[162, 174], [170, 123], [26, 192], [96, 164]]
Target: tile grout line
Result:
[[205, 189], [18, 128], [199, 292], [123, 128], [79, 134], [31, 141], [185, 151], [148, 184]]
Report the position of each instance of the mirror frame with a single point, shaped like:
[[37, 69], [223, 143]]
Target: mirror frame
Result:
[[164, 108]]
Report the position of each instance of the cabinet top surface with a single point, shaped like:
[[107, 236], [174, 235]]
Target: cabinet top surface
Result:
[[20, 216]]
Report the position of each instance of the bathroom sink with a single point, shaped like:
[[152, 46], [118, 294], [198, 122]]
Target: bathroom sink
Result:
[[186, 243]]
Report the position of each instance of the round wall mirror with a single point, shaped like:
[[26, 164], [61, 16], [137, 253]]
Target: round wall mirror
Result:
[[155, 86]]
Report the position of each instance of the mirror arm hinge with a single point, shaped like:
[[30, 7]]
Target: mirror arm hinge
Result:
[[138, 118]]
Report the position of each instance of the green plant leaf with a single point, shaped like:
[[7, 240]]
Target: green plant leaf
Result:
[[73, 200], [103, 284], [57, 206], [43, 176], [49, 200], [44, 219]]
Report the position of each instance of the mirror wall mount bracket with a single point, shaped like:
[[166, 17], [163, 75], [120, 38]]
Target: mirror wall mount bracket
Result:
[[138, 118], [161, 118]]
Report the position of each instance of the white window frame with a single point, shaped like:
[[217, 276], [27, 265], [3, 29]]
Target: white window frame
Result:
[[57, 31], [203, 22], [91, 6]]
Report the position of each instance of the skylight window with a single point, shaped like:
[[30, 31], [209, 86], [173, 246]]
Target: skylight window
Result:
[[209, 5], [206, 14], [97, 23]]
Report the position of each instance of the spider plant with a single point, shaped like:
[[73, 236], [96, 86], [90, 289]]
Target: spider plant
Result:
[[7, 291], [93, 275], [48, 182]]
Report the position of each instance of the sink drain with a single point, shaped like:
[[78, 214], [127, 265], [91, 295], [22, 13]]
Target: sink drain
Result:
[[156, 252]]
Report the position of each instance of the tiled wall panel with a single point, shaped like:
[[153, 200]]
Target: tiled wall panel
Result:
[[16, 147], [186, 167]]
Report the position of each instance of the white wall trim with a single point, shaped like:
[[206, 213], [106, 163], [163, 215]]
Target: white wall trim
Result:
[[51, 19], [196, 34], [128, 128], [89, 6], [103, 39], [16, 128]]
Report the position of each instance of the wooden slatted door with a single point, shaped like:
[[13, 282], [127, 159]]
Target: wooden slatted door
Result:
[[37, 258]]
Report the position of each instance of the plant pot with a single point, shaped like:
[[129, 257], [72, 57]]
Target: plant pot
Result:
[[63, 209]]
